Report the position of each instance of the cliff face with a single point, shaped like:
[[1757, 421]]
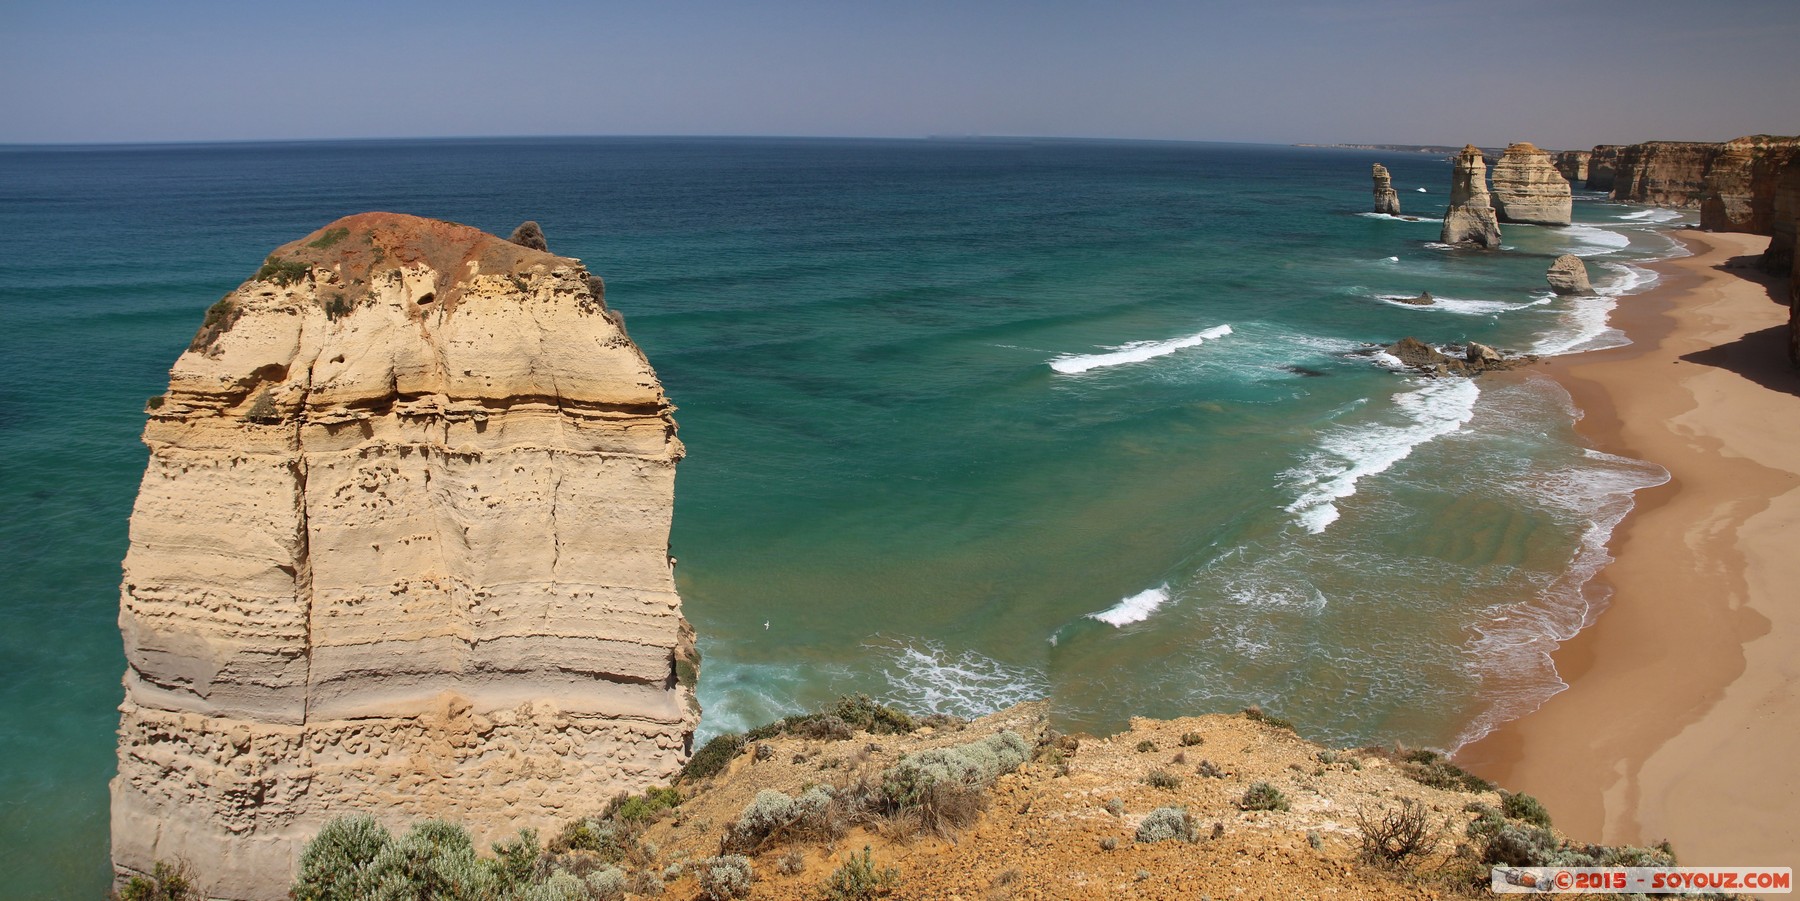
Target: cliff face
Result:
[[1740, 187], [1529, 188], [401, 547], [1470, 216], [1603, 167], [1664, 173], [1386, 201], [1573, 164]]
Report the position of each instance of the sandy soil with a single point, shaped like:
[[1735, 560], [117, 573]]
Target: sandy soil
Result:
[[1682, 716]]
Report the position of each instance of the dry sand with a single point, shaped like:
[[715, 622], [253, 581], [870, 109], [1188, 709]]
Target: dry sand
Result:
[[1682, 720]]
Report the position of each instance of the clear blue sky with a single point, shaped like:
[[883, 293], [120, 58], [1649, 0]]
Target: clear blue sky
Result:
[[1561, 74]]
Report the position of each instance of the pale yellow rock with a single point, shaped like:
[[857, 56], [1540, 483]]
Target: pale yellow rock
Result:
[[1529, 188], [1386, 201], [1469, 220], [402, 542]]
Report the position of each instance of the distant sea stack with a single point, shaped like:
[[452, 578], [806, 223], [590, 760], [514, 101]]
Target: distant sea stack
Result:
[[1386, 201], [1573, 164], [1470, 218], [1528, 188], [1603, 167], [401, 548], [1568, 275]]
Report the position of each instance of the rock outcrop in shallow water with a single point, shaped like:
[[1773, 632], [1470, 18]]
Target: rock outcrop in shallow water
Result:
[[1386, 201], [402, 548], [1470, 218], [1528, 187], [1468, 360], [1568, 275]]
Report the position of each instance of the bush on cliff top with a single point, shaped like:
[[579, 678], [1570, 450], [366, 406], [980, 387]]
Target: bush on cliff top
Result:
[[840, 720]]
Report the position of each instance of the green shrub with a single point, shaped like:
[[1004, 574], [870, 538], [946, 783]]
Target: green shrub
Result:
[[515, 861], [1160, 778], [1190, 739], [1263, 796], [336, 307], [977, 763], [330, 237], [1165, 823], [596, 835], [220, 317], [856, 879], [713, 757], [335, 866], [282, 272], [1256, 714], [1524, 807], [263, 411], [166, 882], [155, 403], [1430, 768], [1146, 746], [1395, 836], [645, 807], [723, 878]]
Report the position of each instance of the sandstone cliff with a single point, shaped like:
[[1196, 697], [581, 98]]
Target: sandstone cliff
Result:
[[1603, 167], [1738, 193], [1573, 164], [1663, 173], [1470, 216], [1386, 201], [401, 547], [1528, 187]]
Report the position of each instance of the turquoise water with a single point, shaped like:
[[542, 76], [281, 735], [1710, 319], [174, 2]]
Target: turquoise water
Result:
[[968, 422]]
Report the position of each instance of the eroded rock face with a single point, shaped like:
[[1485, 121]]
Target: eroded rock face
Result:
[[1603, 167], [1739, 189], [1784, 221], [1386, 201], [401, 547], [1573, 164], [1528, 187], [1664, 173], [1568, 275], [1470, 218]]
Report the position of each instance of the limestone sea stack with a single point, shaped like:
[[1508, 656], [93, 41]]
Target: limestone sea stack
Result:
[[1386, 201], [401, 548], [1573, 164], [1568, 275], [1529, 188], [1470, 217]]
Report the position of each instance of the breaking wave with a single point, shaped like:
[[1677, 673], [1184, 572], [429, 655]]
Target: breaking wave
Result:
[[1135, 352]]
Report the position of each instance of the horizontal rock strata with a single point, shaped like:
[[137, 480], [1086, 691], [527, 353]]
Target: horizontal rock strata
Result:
[[1603, 167], [1470, 218], [1738, 192], [1528, 187], [1663, 173], [401, 547], [1386, 201], [1573, 164]]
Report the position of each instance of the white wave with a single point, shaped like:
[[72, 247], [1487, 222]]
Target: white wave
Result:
[[1586, 324], [1421, 190], [1347, 454], [1400, 218], [1388, 361], [923, 677], [1434, 245], [1459, 305], [1592, 241], [1134, 609], [1651, 217], [1391, 260], [1135, 352]]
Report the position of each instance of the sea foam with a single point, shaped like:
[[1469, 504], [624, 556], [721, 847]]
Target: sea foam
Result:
[[1135, 352], [925, 677], [1347, 454], [1591, 241], [1134, 609], [1585, 324], [1460, 305], [1651, 217]]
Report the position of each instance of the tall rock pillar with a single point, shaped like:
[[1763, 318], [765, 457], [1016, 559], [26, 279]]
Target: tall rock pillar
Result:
[[401, 548], [1470, 218], [1529, 188], [1386, 201]]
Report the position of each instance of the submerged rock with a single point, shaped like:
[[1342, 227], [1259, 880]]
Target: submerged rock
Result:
[[1470, 219], [1568, 275], [401, 548], [1423, 300], [1386, 201], [1528, 187]]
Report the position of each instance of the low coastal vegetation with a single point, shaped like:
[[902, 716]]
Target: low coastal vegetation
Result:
[[859, 801]]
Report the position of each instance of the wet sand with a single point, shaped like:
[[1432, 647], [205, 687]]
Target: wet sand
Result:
[[1682, 719]]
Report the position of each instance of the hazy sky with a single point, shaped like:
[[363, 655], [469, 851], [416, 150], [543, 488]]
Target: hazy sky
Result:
[[1562, 74]]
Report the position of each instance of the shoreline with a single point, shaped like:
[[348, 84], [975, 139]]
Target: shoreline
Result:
[[1678, 720]]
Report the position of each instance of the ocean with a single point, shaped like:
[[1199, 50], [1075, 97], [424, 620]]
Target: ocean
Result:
[[969, 422]]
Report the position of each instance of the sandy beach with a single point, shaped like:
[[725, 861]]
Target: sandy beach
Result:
[[1680, 721]]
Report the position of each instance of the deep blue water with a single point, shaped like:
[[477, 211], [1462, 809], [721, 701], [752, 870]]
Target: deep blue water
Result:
[[884, 464]]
